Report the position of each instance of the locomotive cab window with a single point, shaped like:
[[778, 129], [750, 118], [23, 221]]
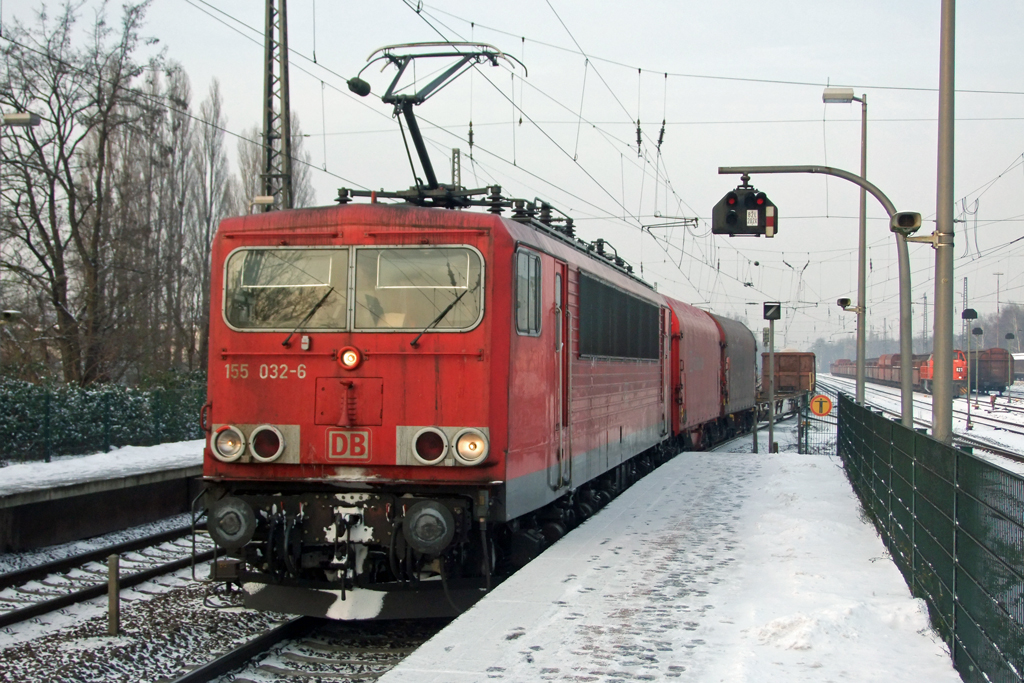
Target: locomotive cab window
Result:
[[276, 289], [412, 288], [527, 293]]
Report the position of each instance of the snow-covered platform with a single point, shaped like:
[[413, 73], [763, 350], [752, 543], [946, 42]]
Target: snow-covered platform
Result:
[[68, 476], [716, 567], [76, 497]]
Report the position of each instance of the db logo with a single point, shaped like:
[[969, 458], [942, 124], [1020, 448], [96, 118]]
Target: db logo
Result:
[[348, 444]]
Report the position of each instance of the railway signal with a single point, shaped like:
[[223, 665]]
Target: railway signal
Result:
[[744, 211]]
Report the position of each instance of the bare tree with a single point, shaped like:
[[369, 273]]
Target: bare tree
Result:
[[214, 199], [59, 197]]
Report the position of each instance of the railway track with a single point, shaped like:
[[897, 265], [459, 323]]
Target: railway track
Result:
[[958, 438], [976, 417], [306, 648], [38, 590]]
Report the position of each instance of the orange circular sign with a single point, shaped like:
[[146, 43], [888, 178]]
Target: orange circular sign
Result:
[[821, 405]]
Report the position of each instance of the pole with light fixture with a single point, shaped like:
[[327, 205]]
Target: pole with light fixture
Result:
[[19, 119], [977, 332], [846, 96], [966, 314], [1009, 362]]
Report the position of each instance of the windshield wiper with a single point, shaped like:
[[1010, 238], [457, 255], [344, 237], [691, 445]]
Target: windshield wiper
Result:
[[445, 312], [308, 316]]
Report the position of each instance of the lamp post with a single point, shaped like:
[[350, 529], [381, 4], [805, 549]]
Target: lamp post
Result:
[[967, 314], [846, 96], [1009, 363], [20, 119], [977, 332]]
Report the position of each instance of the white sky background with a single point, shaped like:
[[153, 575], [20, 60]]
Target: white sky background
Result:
[[888, 51]]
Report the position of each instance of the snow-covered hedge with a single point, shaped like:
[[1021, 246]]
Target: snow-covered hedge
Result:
[[37, 421]]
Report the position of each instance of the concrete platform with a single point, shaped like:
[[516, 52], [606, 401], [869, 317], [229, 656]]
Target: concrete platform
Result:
[[716, 567], [72, 498]]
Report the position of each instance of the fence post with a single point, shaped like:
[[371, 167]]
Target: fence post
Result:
[[154, 409], [113, 594], [913, 514], [105, 404], [46, 424], [956, 536]]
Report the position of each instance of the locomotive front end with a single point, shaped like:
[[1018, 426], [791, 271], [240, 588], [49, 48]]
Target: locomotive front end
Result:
[[353, 461]]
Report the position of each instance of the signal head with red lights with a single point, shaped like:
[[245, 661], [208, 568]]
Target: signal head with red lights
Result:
[[744, 211]]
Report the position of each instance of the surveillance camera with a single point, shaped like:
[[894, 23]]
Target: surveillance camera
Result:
[[843, 303]]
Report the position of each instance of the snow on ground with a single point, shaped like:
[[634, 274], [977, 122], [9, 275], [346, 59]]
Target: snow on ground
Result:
[[120, 462], [717, 567]]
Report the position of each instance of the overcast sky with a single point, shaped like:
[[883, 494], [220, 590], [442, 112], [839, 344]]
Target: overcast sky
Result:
[[743, 87]]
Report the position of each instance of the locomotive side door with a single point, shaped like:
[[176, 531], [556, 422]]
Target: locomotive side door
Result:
[[562, 319]]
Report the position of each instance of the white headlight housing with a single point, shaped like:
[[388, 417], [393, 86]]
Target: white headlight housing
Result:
[[228, 444], [471, 447], [266, 443], [429, 446]]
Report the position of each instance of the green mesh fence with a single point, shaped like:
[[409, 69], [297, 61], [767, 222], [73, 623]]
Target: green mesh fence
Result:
[[38, 421], [954, 525]]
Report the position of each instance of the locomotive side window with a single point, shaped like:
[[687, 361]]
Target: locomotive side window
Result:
[[411, 288], [616, 324], [527, 293], [275, 289]]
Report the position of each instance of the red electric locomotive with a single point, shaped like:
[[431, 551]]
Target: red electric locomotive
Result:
[[407, 402]]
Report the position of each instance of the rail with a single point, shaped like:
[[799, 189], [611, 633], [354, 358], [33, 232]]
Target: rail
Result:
[[35, 589]]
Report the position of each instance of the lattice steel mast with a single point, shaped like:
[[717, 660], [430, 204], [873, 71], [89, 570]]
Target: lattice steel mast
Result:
[[277, 128]]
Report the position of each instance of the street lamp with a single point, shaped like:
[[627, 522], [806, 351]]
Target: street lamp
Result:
[[845, 96], [977, 332], [968, 314], [19, 119], [1009, 362]]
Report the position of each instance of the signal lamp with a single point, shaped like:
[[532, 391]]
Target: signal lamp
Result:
[[429, 446], [731, 199], [470, 447], [350, 358], [760, 199], [228, 444], [266, 443], [731, 218]]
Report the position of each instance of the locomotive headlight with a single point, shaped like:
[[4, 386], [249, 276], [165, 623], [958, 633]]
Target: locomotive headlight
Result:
[[266, 443], [429, 446], [470, 447], [350, 358], [428, 527], [228, 444]]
